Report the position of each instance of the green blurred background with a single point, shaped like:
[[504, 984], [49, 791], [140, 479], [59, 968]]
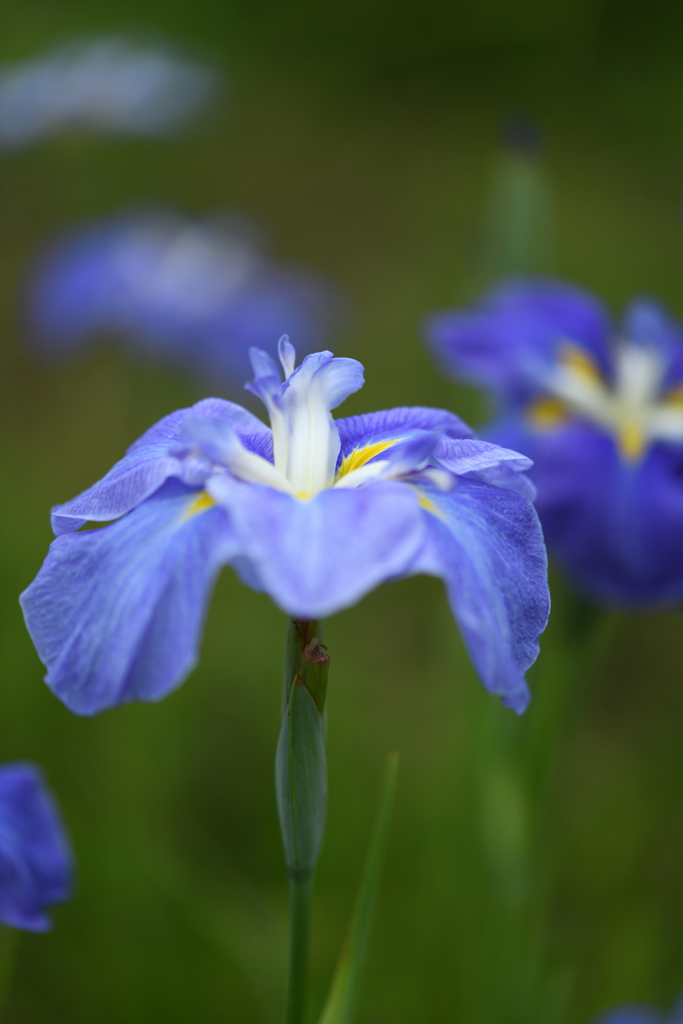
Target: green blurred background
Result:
[[535, 869]]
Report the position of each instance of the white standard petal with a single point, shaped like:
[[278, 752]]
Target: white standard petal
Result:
[[310, 393], [287, 355]]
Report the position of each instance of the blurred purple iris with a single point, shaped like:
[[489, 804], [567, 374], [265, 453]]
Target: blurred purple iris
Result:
[[314, 512], [35, 857], [113, 85], [194, 293], [643, 1015], [599, 410]]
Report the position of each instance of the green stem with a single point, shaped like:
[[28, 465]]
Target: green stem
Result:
[[300, 890]]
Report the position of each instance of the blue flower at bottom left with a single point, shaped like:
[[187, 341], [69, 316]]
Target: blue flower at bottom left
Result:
[[641, 1014], [36, 862]]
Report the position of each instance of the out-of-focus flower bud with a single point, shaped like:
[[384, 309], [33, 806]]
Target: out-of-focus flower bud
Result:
[[300, 768], [518, 228]]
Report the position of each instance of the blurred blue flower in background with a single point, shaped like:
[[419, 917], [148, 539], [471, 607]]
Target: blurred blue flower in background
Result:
[[314, 512], [35, 856], [599, 410], [112, 85], [196, 293], [637, 1014]]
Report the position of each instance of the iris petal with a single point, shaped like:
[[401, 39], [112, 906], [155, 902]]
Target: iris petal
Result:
[[153, 459], [487, 546], [35, 857], [392, 424], [116, 613], [316, 557], [501, 467], [616, 528], [332, 379], [648, 324], [510, 341]]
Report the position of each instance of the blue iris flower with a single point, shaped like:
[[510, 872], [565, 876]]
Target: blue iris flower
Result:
[[194, 293], [315, 512], [600, 412], [637, 1014], [35, 856], [111, 85]]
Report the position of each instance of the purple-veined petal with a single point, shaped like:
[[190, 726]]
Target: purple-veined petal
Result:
[[116, 613], [153, 459], [318, 556], [394, 424], [486, 544], [614, 525], [406, 456], [35, 856], [510, 341], [411, 454], [498, 466]]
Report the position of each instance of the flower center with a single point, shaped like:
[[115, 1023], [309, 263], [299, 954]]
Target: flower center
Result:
[[305, 437], [306, 441], [632, 408]]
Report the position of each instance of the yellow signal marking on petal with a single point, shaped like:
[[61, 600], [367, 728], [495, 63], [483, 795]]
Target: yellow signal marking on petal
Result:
[[632, 442], [359, 456], [576, 359], [427, 504], [201, 503], [674, 397], [546, 413]]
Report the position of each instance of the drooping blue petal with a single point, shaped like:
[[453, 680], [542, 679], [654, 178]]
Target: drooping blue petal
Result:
[[488, 462], [614, 526], [486, 544], [116, 613], [510, 341], [36, 865], [392, 424], [316, 557], [157, 456]]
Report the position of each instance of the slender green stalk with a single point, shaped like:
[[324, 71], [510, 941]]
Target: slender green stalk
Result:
[[300, 890]]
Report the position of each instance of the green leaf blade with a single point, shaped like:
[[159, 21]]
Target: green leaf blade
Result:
[[341, 1000]]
